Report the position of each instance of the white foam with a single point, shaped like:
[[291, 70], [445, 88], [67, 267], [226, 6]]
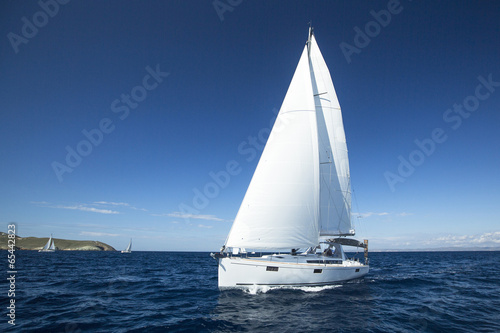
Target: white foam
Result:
[[254, 290]]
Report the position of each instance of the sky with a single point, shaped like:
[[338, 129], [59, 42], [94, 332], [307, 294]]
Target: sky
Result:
[[146, 119]]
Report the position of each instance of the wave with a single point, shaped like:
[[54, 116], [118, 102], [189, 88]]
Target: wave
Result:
[[254, 290]]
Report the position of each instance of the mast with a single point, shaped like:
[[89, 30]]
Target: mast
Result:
[[311, 30]]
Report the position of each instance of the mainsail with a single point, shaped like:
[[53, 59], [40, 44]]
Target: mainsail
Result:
[[129, 247], [52, 245], [300, 189], [335, 187]]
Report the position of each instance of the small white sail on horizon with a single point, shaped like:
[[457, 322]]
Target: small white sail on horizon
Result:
[[129, 247], [49, 247]]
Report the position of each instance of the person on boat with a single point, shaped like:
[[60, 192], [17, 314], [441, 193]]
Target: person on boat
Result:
[[328, 252], [294, 252]]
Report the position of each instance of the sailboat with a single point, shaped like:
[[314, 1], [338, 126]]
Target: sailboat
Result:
[[297, 208], [49, 247], [129, 247]]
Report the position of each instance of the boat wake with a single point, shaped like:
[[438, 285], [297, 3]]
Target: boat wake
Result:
[[255, 290]]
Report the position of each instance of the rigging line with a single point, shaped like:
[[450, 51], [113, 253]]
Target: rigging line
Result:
[[357, 205]]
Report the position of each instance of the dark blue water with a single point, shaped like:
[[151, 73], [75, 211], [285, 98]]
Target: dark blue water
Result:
[[171, 291]]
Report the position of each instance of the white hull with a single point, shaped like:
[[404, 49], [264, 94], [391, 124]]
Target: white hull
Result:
[[49, 250], [125, 251], [286, 270]]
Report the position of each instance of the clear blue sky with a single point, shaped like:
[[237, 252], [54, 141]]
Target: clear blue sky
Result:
[[86, 66]]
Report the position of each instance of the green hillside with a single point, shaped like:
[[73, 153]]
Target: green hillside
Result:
[[35, 243]]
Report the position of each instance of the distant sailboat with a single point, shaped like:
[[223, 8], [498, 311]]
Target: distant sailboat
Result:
[[300, 194], [129, 247], [49, 247]]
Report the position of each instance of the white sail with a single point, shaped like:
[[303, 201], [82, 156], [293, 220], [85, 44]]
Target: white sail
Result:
[[49, 247], [301, 187], [281, 207], [335, 189], [52, 245], [129, 247]]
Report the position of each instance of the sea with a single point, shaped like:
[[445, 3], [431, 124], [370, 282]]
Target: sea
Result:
[[177, 292]]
